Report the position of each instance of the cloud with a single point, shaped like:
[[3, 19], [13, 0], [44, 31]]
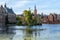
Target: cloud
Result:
[[16, 5], [45, 6], [50, 11], [2, 2], [19, 4]]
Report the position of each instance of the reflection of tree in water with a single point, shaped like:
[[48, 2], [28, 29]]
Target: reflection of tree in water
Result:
[[29, 33]]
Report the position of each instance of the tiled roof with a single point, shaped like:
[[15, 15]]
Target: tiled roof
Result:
[[9, 10], [6, 9]]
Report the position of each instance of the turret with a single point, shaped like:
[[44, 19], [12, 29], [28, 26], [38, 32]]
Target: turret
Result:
[[35, 11], [5, 5]]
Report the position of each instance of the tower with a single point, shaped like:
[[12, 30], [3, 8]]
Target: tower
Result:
[[35, 15], [5, 5], [35, 11]]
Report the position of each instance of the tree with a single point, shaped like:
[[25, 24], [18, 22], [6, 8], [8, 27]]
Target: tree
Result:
[[17, 18], [28, 17], [19, 22]]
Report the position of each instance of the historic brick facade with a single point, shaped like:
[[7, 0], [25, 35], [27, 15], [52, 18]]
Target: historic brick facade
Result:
[[58, 17], [44, 19], [50, 18]]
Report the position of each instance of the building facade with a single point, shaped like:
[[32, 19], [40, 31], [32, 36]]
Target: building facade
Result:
[[50, 18], [55, 17], [44, 19], [6, 15], [58, 17]]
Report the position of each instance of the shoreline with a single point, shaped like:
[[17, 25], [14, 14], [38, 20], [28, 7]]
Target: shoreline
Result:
[[51, 22]]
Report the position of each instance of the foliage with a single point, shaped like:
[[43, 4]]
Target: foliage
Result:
[[19, 22], [17, 18], [28, 17]]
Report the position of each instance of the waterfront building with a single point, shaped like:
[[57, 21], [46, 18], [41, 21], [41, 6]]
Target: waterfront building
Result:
[[6, 15], [50, 18], [44, 19], [11, 14], [38, 19], [58, 17], [2, 16], [55, 17]]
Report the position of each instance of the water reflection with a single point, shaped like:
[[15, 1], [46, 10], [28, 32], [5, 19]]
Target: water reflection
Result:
[[27, 33], [7, 30], [44, 32], [6, 33], [31, 34]]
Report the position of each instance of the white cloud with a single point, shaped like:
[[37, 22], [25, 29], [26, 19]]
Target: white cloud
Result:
[[2, 2], [19, 4], [45, 6], [50, 11]]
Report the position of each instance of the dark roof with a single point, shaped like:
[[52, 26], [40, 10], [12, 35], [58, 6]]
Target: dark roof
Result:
[[9, 10]]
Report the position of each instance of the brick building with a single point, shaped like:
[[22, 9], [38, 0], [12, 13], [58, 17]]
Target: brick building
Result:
[[50, 18]]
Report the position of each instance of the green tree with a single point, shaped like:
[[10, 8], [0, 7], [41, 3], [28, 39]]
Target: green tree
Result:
[[17, 18], [28, 17], [19, 22]]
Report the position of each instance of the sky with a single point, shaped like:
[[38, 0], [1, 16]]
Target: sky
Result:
[[45, 6]]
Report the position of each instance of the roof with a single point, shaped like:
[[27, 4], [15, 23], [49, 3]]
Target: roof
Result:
[[9, 10], [6, 9]]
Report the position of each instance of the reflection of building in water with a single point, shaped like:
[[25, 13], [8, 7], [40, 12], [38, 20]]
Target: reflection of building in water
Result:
[[6, 15]]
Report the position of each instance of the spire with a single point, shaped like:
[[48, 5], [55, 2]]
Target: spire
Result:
[[35, 6], [35, 10], [5, 5], [1, 6], [29, 8]]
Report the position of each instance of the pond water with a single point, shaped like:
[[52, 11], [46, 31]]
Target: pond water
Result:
[[42, 32]]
